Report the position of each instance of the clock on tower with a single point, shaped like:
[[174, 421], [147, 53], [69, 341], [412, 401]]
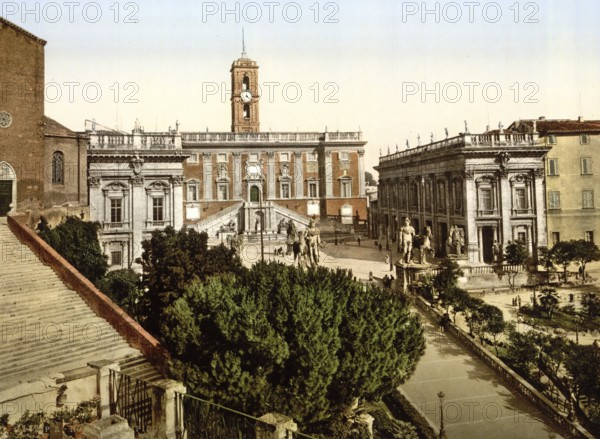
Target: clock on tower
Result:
[[244, 96]]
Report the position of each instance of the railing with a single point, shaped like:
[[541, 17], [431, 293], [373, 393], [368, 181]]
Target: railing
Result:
[[131, 399], [272, 137], [199, 419], [115, 226], [464, 140]]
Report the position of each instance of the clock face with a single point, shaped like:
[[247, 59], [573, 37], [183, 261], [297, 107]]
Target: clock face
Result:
[[246, 96], [5, 119]]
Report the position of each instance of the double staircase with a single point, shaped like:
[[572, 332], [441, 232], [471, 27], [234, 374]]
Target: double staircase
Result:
[[47, 328]]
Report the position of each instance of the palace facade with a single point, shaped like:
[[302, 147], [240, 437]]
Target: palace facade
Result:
[[487, 187], [242, 181]]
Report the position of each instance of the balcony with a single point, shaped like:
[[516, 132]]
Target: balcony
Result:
[[115, 227], [283, 137], [486, 213]]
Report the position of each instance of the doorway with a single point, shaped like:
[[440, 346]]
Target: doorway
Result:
[[6, 192], [487, 244]]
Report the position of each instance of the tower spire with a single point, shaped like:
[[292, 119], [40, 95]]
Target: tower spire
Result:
[[243, 45]]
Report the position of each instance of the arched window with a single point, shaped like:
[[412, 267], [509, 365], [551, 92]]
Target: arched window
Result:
[[58, 168], [246, 111], [246, 83]]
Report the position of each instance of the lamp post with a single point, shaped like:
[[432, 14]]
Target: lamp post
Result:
[[441, 396]]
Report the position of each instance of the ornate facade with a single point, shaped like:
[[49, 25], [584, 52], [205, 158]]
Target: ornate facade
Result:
[[482, 188], [135, 185]]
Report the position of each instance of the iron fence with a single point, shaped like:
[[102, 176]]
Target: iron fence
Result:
[[131, 399]]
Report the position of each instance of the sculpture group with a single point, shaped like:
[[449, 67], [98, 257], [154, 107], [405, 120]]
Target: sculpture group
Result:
[[304, 244], [408, 239]]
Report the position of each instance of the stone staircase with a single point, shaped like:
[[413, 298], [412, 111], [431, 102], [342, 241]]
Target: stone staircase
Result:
[[47, 328]]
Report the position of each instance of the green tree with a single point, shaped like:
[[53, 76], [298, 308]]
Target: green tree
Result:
[[447, 276], [584, 252], [123, 287], [277, 338], [549, 301], [77, 241], [583, 365], [515, 255], [455, 300], [563, 254], [522, 352], [171, 260], [591, 304], [546, 260]]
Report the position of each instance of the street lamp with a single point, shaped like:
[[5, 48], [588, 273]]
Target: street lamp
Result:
[[441, 396]]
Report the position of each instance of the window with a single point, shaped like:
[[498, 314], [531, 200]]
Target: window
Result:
[[584, 139], [284, 157], [589, 236], [551, 139], [521, 237], [552, 166], [285, 190], [553, 200], [344, 156], [221, 158], [313, 191], [192, 191], [58, 168], [555, 237], [222, 192], [116, 210], [441, 196], [521, 199], [246, 83], [193, 158], [246, 111], [457, 196], [254, 157], [311, 157], [115, 257], [588, 199], [158, 209], [586, 166], [414, 196], [346, 188], [486, 203]]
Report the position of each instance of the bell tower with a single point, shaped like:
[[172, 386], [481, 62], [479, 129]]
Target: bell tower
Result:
[[244, 95]]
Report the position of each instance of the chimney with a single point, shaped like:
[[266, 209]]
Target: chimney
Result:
[[580, 119]]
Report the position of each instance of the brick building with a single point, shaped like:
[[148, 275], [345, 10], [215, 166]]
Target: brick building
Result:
[[42, 163], [21, 119], [489, 187]]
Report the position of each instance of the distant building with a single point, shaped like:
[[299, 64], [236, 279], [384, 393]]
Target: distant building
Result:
[[474, 188], [21, 119], [572, 175], [42, 163]]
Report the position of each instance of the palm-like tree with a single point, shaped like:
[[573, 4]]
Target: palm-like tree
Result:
[[549, 300]]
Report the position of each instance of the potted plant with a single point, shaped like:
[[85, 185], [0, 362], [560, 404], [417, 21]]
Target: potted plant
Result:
[[58, 419]]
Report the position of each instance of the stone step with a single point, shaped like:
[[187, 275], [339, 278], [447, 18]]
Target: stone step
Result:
[[58, 304], [53, 353], [48, 291]]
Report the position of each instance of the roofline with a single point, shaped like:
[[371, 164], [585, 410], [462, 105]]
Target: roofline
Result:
[[23, 31]]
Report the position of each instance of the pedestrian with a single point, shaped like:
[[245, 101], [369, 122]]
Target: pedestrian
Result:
[[519, 302], [380, 247], [358, 239], [387, 259]]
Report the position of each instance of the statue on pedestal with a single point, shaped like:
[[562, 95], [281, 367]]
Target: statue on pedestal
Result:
[[456, 239], [312, 237], [407, 233], [426, 246]]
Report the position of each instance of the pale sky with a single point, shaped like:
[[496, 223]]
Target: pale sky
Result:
[[356, 64]]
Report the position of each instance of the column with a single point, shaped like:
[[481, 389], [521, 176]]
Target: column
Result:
[[275, 426], [164, 411], [540, 236], [298, 174], [505, 207], [470, 209], [361, 172], [271, 180], [177, 202], [237, 176], [102, 369], [207, 173], [328, 175]]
